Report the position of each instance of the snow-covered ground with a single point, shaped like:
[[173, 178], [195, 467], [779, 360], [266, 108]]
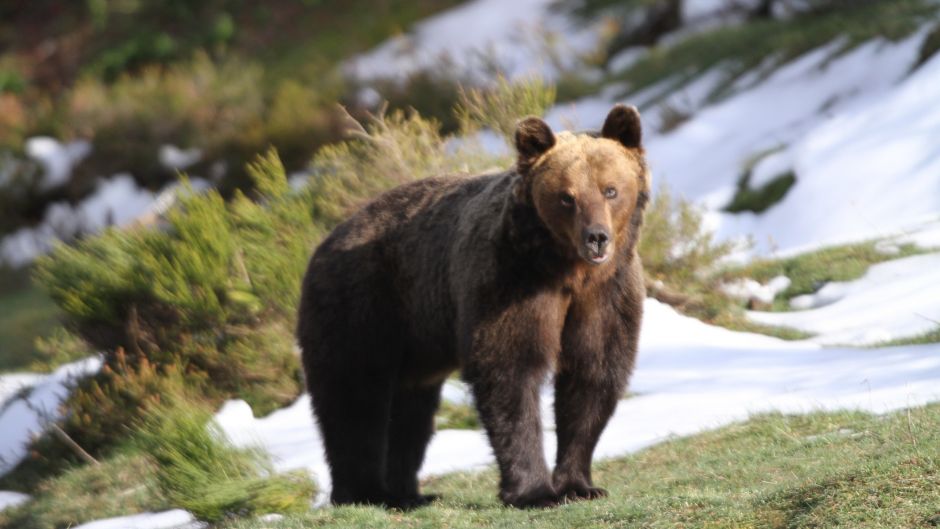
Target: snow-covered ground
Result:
[[522, 37], [22, 417]]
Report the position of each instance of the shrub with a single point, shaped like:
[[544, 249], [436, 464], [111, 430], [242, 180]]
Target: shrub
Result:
[[675, 247], [209, 298], [199, 470]]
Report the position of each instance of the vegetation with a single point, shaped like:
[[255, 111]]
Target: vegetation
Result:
[[758, 200], [223, 76], [451, 416], [199, 470], [125, 483], [175, 457], [843, 469]]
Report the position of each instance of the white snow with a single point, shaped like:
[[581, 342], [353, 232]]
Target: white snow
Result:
[[56, 158], [21, 419], [174, 519], [748, 289], [518, 37], [173, 157], [11, 499], [116, 201], [13, 383], [894, 299]]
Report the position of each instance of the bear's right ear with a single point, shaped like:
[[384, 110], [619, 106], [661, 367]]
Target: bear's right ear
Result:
[[533, 138]]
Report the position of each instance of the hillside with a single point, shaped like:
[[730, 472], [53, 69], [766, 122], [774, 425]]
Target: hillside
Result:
[[789, 367]]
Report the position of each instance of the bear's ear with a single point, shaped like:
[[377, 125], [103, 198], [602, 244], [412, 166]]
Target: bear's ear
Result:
[[623, 125], [533, 138]]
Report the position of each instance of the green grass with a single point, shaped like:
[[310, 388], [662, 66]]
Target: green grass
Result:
[[808, 272], [451, 416], [201, 471], [26, 313], [173, 460], [762, 198], [931, 336], [123, 484], [844, 469], [740, 48]]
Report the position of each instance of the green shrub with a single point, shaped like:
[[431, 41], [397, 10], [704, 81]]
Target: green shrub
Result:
[[501, 106], [674, 245], [199, 470], [210, 298]]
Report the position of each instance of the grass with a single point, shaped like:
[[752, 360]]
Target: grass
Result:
[[931, 336], [808, 272], [26, 312], [762, 198], [451, 416], [843, 469], [173, 460], [740, 48], [123, 484]]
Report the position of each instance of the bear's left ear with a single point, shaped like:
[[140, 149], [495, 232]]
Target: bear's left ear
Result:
[[623, 125], [533, 138]]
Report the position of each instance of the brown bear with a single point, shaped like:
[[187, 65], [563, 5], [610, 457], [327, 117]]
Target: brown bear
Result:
[[507, 277]]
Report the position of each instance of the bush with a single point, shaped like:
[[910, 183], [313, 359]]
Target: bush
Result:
[[209, 298], [199, 470]]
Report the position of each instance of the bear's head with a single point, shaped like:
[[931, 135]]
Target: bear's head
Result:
[[588, 190]]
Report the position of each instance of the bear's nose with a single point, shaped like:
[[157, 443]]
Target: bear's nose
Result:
[[596, 238]]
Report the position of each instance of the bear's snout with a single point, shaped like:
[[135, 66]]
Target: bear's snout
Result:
[[596, 239]]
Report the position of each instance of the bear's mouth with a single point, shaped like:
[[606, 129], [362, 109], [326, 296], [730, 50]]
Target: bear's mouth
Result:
[[595, 257]]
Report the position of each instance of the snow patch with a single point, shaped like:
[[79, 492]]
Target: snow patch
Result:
[[173, 519], [23, 418], [174, 158], [57, 158], [748, 289], [12, 499], [472, 37]]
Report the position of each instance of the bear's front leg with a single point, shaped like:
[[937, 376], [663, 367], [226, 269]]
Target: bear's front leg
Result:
[[508, 403], [505, 361], [596, 360]]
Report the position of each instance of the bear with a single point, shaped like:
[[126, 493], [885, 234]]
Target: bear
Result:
[[508, 277]]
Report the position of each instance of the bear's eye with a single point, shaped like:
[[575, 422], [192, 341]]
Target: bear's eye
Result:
[[610, 192], [567, 200]]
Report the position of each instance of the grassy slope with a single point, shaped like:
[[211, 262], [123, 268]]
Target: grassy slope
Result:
[[844, 469]]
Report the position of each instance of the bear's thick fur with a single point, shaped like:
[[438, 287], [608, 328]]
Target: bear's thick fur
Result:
[[507, 277]]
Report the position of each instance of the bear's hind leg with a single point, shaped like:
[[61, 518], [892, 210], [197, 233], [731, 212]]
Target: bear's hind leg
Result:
[[410, 430], [353, 413]]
